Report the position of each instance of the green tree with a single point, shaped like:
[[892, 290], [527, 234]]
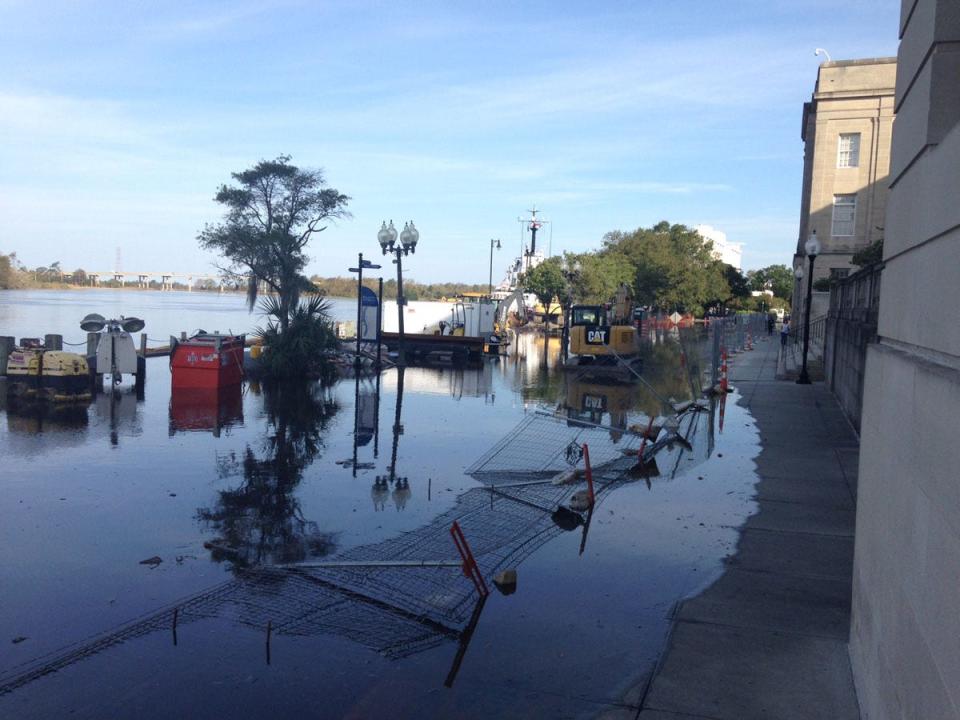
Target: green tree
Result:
[[271, 215], [298, 350], [872, 253], [739, 287], [6, 271], [675, 268], [546, 281], [777, 278], [600, 276]]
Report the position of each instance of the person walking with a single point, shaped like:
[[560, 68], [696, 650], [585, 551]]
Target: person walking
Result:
[[784, 333], [770, 323]]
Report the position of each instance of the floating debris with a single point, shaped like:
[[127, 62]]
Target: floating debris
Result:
[[506, 582]]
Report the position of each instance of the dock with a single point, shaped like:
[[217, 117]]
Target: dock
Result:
[[437, 349]]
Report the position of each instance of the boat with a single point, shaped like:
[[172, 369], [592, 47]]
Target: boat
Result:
[[206, 360]]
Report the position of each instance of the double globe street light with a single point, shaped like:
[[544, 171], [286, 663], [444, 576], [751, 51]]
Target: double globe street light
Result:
[[812, 247], [387, 237]]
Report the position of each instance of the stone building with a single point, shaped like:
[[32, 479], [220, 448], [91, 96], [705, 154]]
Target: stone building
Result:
[[846, 134], [905, 635]]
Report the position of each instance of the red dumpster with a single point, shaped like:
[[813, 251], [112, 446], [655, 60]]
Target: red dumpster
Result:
[[207, 360]]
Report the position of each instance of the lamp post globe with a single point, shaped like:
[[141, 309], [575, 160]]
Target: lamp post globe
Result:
[[387, 236], [405, 236], [413, 237]]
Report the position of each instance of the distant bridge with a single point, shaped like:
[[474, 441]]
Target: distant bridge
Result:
[[143, 279]]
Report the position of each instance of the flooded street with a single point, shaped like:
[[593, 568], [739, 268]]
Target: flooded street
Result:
[[300, 559]]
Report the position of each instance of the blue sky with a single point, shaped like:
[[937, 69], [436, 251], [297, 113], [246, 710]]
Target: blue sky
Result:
[[118, 120]]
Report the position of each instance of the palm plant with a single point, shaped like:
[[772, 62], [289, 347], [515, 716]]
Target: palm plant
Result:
[[297, 338]]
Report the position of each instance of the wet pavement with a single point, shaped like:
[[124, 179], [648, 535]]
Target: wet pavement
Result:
[[355, 485], [769, 638]]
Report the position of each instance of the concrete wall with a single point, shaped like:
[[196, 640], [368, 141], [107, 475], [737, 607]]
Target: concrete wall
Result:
[[905, 636]]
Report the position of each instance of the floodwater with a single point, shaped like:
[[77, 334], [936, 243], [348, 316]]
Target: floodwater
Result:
[[349, 488]]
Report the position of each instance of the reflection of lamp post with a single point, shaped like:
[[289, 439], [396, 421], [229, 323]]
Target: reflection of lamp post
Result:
[[385, 480], [387, 237], [812, 247], [492, 243]]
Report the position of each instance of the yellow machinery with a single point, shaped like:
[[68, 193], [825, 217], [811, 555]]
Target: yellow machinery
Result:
[[599, 335], [54, 374]]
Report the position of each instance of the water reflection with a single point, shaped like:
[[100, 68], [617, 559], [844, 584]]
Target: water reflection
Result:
[[27, 417], [260, 521], [406, 593], [400, 484], [119, 410], [205, 409]]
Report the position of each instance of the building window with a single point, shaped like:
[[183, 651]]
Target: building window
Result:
[[848, 150], [844, 215], [839, 273]]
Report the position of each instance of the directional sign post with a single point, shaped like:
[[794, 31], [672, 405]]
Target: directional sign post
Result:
[[361, 264]]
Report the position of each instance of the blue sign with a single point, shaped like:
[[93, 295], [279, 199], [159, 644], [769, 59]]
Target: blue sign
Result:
[[368, 298], [369, 310]]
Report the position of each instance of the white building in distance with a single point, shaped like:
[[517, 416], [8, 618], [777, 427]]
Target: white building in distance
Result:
[[728, 252]]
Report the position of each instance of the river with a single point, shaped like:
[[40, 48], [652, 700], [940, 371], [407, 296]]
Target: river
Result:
[[367, 476]]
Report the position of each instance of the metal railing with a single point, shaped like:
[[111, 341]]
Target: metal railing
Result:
[[851, 326]]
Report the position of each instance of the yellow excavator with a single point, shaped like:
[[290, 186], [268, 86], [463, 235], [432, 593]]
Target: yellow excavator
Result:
[[604, 335]]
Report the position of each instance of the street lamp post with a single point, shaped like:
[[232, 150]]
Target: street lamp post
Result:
[[387, 237], [812, 247], [361, 265], [798, 275], [490, 282]]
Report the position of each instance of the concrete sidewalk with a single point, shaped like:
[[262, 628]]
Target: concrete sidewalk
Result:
[[768, 640]]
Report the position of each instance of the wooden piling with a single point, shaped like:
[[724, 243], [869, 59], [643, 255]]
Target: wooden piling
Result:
[[143, 345], [7, 344], [96, 379]]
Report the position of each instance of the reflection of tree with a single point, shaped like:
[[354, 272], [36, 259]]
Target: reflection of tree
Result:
[[260, 522]]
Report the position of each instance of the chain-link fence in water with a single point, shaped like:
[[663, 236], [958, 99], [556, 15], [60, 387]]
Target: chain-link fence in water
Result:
[[732, 334]]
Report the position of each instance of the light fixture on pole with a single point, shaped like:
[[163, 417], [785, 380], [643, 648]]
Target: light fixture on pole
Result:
[[409, 237], [812, 248], [493, 243]]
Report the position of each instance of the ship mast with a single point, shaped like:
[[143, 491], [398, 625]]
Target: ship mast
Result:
[[532, 224]]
